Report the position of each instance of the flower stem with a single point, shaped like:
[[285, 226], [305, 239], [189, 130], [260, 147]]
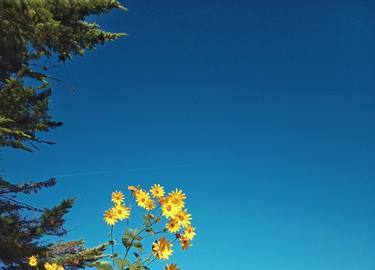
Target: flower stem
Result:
[[112, 246]]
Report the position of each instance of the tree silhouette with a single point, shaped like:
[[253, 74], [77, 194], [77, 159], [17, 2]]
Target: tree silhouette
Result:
[[34, 34]]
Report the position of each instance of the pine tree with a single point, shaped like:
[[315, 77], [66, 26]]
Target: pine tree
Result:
[[35, 30], [33, 33]]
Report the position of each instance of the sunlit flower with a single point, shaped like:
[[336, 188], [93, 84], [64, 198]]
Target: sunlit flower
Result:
[[33, 260], [171, 267], [177, 194], [122, 212], [53, 266], [169, 210], [142, 197], [157, 191], [161, 249], [177, 198], [183, 218], [185, 243], [150, 205], [132, 189], [110, 217], [189, 233], [48, 266], [172, 226], [117, 197]]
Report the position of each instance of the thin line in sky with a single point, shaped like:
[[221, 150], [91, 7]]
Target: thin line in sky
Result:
[[118, 171]]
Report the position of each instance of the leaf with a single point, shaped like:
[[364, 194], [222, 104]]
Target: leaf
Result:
[[147, 220], [121, 263], [126, 242], [150, 231], [138, 245], [136, 254], [102, 266]]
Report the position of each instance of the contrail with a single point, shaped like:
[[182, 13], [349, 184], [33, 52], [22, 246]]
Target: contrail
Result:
[[85, 173], [118, 171]]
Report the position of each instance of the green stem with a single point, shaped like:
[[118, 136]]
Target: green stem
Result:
[[141, 231], [112, 246]]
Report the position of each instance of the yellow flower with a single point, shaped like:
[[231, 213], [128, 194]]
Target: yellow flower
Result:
[[122, 212], [183, 218], [110, 217], [161, 249], [142, 197], [169, 210], [53, 266], [172, 226], [150, 205], [117, 197], [33, 260], [157, 191], [171, 267], [185, 243], [132, 189], [178, 195], [48, 266], [58, 267], [189, 233]]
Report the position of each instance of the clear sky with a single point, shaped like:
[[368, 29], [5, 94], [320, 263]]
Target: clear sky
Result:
[[261, 111]]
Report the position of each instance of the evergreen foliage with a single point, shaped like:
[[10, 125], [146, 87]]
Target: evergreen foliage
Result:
[[32, 34], [30, 31]]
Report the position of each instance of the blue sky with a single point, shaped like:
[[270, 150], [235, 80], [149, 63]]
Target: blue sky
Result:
[[261, 111]]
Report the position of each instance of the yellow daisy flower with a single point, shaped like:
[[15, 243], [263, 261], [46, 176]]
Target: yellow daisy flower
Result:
[[48, 266], [172, 226], [117, 197], [171, 267], [142, 197], [177, 198], [132, 189], [110, 217], [59, 267], [33, 260], [161, 249], [150, 205], [183, 218], [53, 266], [122, 212], [189, 233], [169, 210], [157, 191], [178, 195]]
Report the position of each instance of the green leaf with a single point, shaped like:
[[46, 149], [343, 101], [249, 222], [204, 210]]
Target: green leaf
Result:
[[147, 220], [127, 242], [150, 231], [102, 266], [121, 263], [138, 245]]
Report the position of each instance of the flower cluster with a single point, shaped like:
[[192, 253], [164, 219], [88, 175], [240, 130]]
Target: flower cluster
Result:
[[33, 261], [119, 211], [173, 209], [165, 213], [158, 204]]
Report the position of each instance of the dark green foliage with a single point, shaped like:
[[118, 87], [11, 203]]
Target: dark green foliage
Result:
[[23, 229], [22, 226], [32, 34], [75, 255], [31, 30]]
